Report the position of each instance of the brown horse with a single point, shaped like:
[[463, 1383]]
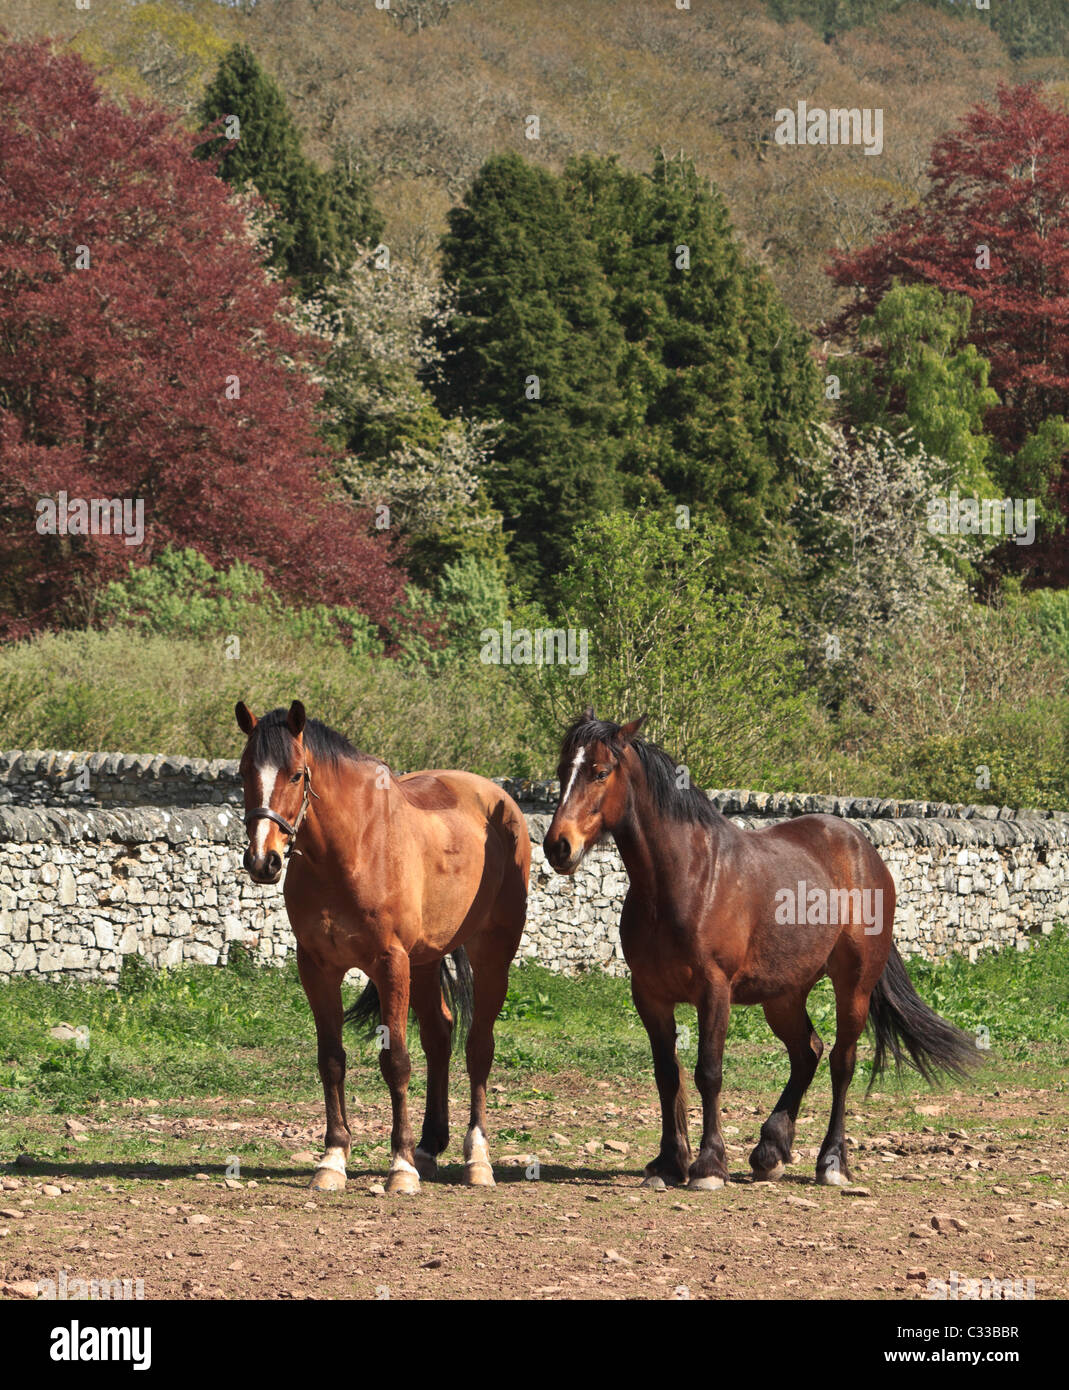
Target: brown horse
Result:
[[716, 916], [390, 875]]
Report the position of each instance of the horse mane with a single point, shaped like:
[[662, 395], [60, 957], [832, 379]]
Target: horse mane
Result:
[[274, 742], [670, 801]]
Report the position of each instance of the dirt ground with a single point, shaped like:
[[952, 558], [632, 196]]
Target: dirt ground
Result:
[[949, 1185]]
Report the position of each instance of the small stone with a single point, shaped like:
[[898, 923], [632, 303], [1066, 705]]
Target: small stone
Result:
[[613, 1257], [377, 1190], [21, 1288], [802, 1202], [1001, 1191], [232, 1183], [945, 1223], [198, 1220], [855, 1191], [435, 1263], [235, 1265], [304, 1156], [202, 1177], [51, 1190], [916, 1274], [616, 1147]]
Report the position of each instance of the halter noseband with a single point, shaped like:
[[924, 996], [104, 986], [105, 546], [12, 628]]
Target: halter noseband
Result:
[[265, 813]]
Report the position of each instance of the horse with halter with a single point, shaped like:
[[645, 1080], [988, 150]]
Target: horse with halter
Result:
[[389, 875], [716, 915]]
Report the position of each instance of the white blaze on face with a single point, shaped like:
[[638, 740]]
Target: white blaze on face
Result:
[[266, 774], [576, 764]]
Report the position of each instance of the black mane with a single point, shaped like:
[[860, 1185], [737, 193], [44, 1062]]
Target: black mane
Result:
[[671, 801], [273, 741]]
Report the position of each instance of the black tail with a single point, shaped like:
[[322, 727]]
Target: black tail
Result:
[[457, 988], [900, 1019]]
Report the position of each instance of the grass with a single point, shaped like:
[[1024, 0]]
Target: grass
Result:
[[202, 1031]]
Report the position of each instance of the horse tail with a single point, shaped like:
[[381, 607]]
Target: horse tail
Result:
[[458, 991], [900, 1019]]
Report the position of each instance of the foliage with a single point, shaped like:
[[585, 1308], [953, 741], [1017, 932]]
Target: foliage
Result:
[[993, 227], [180, 595], [318, 216], [379, 320], [916, 373], [530, 303], [719, 385], [869, 559], [716, 672], [159, 372]]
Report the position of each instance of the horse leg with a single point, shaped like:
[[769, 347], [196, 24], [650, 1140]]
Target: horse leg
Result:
[[323, 990], [659, 1020], [709, 1169], [791, 1023], [490, 958], [436, 1035], [393, 984], [851, 1010]]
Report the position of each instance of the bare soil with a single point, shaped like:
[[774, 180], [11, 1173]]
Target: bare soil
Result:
[[955, 1183]]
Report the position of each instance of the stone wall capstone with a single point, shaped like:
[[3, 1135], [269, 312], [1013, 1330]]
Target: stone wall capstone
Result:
[[108, 855]]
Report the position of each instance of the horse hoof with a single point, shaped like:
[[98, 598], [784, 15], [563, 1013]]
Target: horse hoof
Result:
[[654, 1182], [709, 1184], [478, 1174], [832, 1177], [402, 1180], [769, 1174], [327, 1180], [426, 1164]]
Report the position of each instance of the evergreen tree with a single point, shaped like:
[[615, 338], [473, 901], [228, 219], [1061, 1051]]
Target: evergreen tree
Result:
[[318, 216], [532, 344], [718, 381]]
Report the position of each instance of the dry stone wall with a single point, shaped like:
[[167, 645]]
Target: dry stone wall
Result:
[[107, 855]]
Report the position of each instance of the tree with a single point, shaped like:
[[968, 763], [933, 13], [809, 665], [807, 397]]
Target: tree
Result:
[[994, 227], [532, 344], [717, 673], [720, 385], [380, 321], [875, 556], [143, 357], [916, 373], [319, 217]]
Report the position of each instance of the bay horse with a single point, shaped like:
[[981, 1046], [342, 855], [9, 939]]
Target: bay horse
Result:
[[715, 916], [389, 875]]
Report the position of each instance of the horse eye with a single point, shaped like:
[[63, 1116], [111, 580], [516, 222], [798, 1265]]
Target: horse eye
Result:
[[601, 776], [296, 777]]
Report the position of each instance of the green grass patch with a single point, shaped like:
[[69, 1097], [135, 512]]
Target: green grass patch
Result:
[[180, 1035]]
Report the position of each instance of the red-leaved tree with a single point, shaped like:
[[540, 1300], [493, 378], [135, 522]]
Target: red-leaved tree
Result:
[[994, 225], [142, 356]]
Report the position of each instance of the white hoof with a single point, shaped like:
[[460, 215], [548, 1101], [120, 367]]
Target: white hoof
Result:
[[709, 1184], [770, 1174], [832, 1177], [402, 1178], [478, 1171], [654, 1182], [329, 1175]]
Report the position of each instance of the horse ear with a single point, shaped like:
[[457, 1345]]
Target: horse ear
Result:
[[295, 719], [628, 731], [589, 715], [246, 718]]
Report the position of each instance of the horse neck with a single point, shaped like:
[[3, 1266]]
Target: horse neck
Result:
[[347, 793], [651, 845]]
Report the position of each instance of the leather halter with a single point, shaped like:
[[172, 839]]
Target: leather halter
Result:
[[265, 813]]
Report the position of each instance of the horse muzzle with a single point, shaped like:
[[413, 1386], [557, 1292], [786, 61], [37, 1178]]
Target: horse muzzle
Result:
[[263, 868]]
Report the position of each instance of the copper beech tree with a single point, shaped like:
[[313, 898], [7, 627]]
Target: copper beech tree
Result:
[[144, 356], [994, 226]]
